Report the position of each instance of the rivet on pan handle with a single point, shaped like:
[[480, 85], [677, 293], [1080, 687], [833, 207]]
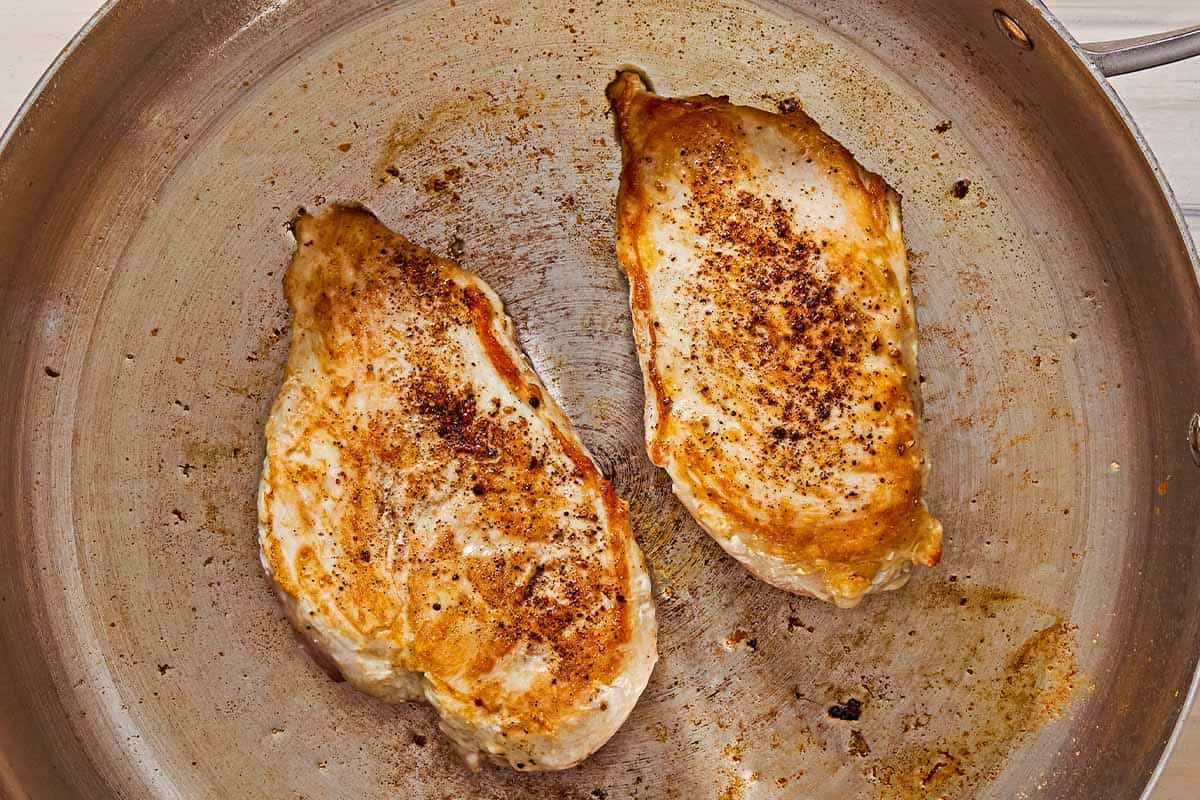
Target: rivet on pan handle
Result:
[[1013, 30], [1131, 55]]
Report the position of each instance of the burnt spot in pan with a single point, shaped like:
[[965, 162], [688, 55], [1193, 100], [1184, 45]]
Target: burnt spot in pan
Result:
[[850, 711]]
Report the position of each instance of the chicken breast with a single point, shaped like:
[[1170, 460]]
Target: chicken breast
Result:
[[429, 516], [778, 341]]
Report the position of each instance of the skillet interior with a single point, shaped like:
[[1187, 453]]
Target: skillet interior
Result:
[[144, 333]]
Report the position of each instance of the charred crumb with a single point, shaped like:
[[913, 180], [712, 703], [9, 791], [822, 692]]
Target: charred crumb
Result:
[[850, 711], [943, 126], [788, 105], [441, 184], [52, 372], [961, 188]]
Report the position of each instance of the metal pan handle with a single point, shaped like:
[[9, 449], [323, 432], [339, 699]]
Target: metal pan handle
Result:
[[1133, 55]]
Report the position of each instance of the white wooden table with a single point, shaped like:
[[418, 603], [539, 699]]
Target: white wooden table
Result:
[[1165, 102]]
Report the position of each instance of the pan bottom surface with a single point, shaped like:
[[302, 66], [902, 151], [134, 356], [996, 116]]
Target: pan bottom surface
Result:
[[481, 131]]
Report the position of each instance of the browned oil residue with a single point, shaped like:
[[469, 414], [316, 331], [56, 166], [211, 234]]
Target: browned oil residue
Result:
[[212, 520], [660, 527], [208, 454], [443, 183], [984, 600], [736, 789], [436, 135], [409, 131], [267, 343], [737, 637], [1038, 681], [508, 116]]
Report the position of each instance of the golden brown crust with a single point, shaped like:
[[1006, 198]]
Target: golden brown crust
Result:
[[770, 300], [427, 459]]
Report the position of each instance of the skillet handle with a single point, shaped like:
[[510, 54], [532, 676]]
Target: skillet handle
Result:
[[1133, 55]]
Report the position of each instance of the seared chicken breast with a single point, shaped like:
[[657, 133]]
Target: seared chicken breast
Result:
[[778, 340], [431, 521]]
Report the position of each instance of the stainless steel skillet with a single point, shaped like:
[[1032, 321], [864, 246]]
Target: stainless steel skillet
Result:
[[143, 197]]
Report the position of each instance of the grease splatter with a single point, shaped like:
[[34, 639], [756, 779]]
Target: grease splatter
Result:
[[1035, 685]]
